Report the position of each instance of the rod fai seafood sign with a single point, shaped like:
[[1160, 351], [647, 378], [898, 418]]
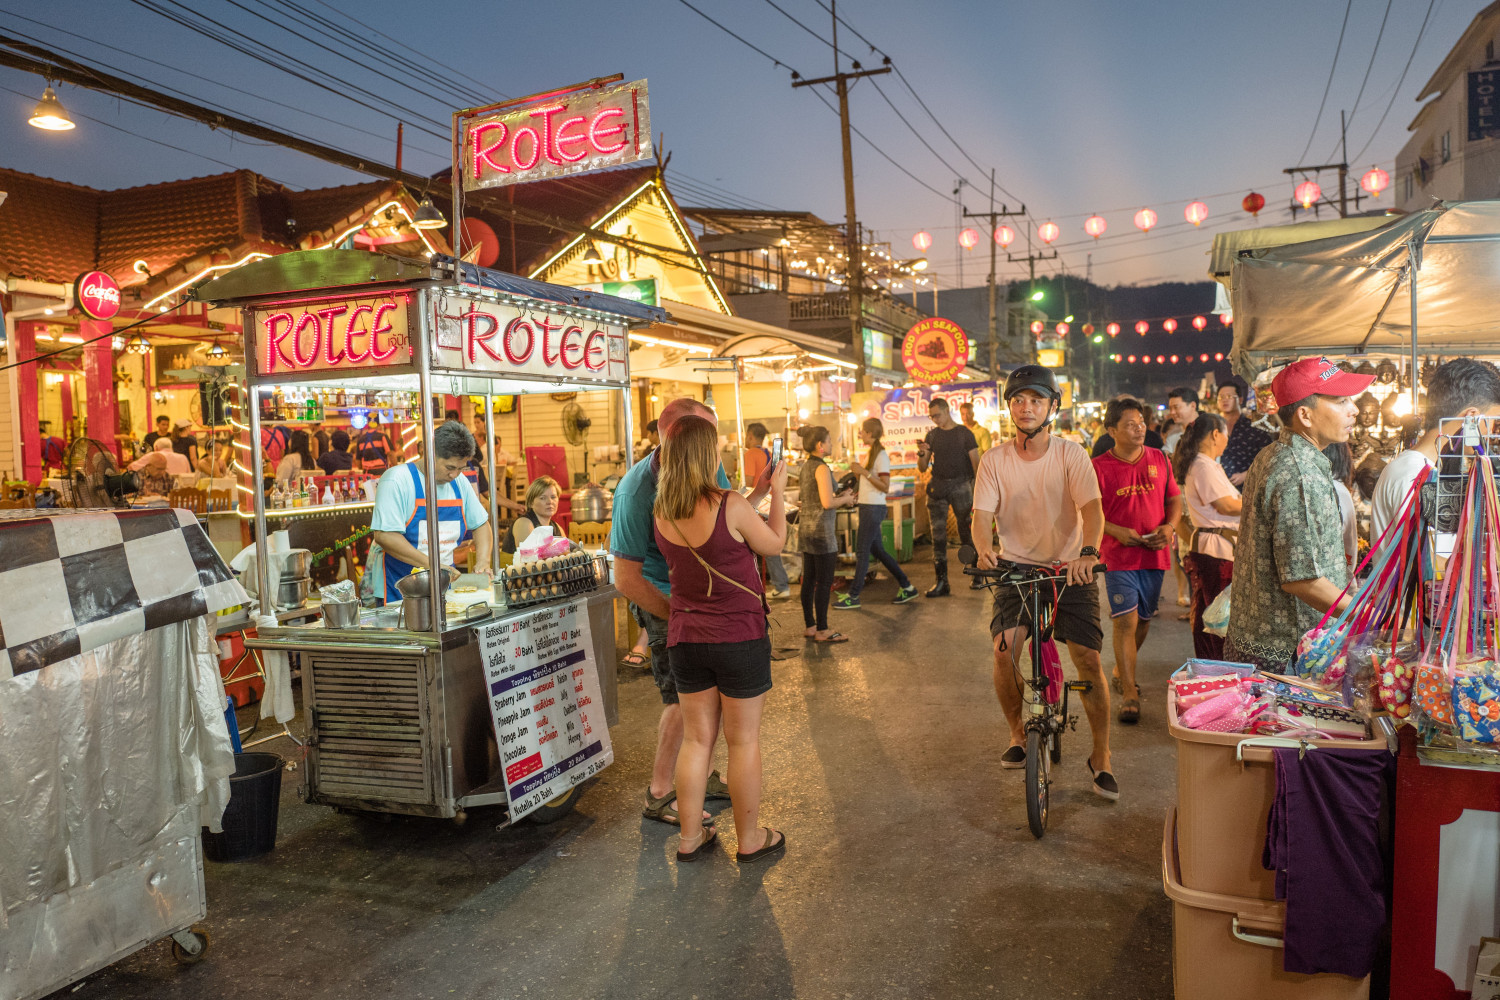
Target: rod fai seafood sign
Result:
[[497, 338], [337, 334], [551, 135]]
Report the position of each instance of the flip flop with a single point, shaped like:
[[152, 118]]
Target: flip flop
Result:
[[765, 852], [702, 850], [833, 637], [633, 659]]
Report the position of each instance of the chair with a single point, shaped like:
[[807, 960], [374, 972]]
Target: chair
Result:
[[17, 495], [189, 499], [220, 500], [590, 534]]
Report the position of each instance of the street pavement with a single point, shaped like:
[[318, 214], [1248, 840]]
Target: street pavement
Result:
[[910, 871]]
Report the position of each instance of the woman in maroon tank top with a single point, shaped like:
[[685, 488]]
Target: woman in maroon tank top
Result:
[[717, 646]]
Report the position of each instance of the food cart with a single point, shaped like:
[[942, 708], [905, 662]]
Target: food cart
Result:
[[432, 720]]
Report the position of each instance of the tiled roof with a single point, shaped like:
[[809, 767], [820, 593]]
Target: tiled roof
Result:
[[163, 224], [582, 200], [48, 229], [322, 209]]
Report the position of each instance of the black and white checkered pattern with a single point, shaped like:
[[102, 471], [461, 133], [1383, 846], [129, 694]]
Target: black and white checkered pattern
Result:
[[71, 581]]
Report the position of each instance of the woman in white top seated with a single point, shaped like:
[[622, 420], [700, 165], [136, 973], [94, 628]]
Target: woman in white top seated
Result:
[[874, 483], [1214, 505]]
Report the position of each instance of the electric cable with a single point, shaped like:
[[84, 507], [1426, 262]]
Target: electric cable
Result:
[[1327, 86], [94, 340], [1399, 81]]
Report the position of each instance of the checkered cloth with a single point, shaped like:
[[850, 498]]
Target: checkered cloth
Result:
[[72, 581]]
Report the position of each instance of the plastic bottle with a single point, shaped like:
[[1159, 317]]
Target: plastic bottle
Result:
[[328, 496]]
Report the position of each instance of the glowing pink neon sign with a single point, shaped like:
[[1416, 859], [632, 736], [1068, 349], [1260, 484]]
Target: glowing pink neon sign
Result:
[[572, 133], [324, 335], [481, 336]]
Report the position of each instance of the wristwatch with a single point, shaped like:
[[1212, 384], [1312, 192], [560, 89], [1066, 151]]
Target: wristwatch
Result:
[[1088, 550]]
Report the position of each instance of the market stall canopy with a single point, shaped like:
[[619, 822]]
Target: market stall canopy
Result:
[[1349, 294], [1228, 246]]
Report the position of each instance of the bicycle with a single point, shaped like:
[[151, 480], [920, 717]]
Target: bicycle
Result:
[[1045, 712]]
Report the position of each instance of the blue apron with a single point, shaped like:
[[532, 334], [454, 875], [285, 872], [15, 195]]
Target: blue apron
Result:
[[452, 529]]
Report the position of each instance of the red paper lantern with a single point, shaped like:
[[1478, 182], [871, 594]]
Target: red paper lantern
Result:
[[1203, 358], [1161, 359], [1088, 328], [1145, 359], [1131, 359], [1170, 326], [1253, 203], [1199, 323], [1226, 318], [1095, 226], [1307, 193], [1142, 327], [968, 239], [1048, 231], [1219, 357], [1375, 181], [1145, 219], [1113, 329], [1195, 212], [1062, 329], [1005, 236], [1174, 359], [1037, 327], [922, 241]]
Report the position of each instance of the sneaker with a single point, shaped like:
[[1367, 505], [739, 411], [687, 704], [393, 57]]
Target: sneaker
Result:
[[1013, 757], [846, 603], [905, 594], [780, 593], [1105, 784]]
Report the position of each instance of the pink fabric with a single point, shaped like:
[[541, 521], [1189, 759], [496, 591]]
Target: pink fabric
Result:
[[1052, 669], [1218, 707]]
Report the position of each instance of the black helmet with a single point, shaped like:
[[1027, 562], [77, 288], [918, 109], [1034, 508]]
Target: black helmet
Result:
[[1033, 377]]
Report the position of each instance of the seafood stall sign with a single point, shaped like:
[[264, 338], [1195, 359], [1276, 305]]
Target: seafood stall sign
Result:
[[544, 698], [935, 350]]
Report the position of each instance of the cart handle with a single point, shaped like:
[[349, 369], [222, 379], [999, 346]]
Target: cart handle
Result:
[[334, 647]]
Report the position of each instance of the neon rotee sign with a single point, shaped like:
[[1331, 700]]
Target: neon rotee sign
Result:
[[332, 335], [570, 133], [495, 338]]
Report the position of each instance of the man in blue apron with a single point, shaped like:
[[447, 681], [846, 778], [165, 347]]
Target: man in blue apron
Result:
[[399, 521]]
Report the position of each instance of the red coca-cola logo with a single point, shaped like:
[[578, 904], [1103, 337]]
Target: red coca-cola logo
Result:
[[97, 294]]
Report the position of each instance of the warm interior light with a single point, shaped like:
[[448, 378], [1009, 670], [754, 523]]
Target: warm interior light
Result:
[[49, 114], [1402, 405], [428, 216]]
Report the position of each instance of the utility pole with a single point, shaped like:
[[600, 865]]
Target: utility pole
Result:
[[993, 217], [856, 271], [1342, 168], [1031, 258]]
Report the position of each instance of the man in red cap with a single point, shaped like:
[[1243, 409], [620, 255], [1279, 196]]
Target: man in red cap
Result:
[[1289, 564]]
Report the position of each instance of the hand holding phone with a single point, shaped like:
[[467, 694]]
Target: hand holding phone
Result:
[[776, 447]]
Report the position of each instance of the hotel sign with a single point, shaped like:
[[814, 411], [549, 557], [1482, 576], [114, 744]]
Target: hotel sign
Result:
[[1484, 111], [567, 133], [343, 335], [494, 338]]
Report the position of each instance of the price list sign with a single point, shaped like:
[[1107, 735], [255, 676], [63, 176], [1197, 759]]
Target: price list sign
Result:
[[545, 703]]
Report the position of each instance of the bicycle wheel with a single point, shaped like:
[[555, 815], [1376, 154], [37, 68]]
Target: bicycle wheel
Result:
[[1037, 781]]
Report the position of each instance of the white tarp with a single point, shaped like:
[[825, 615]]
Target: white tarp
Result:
[[1349, 294]]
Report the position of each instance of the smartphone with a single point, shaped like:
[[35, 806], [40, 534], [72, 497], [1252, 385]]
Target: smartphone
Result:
[[775, 451]]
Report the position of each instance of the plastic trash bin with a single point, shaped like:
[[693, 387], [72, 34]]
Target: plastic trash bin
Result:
[[254, 806], [901, 550]]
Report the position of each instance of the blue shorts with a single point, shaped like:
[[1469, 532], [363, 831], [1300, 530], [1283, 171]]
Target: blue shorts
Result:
[[1137, 590]]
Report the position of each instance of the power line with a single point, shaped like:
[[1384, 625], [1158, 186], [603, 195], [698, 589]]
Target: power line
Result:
[[799, 24], [397, 42], [1400, 81], [954, 170], [1370, 65], [1336, 50], [737, 37], [886, 156]]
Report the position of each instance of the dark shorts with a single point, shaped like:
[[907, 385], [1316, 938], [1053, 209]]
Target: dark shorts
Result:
[[737, 669], [1137, 590], [656, 637], [1075, 620]]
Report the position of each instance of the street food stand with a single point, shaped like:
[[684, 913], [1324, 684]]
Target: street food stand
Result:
[[414, 720], [1398, 289], [116, 745]]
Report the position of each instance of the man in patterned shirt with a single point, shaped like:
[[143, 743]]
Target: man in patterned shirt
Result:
[[1289, 565], [1245, 439]]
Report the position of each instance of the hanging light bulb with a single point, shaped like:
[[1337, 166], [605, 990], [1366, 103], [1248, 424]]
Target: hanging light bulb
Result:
[[49, 113], [138, 345], [428, 216]]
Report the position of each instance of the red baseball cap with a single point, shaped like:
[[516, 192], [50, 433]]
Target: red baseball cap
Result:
[[1304, 378]]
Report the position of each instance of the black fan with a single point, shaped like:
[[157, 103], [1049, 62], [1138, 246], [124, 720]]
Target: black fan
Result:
[[94, 480]]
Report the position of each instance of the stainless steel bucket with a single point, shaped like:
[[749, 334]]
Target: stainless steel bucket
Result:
[[292, 593], [416, 614], [341, 615]]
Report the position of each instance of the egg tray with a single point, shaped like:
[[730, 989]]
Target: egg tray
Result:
[[541, 585]]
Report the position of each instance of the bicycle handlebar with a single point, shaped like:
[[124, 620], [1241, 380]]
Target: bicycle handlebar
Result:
[[1017, 573]]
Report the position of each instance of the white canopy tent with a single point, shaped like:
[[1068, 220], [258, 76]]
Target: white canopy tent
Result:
[[1359, 293]]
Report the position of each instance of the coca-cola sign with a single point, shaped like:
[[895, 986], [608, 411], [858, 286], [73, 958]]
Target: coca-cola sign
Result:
[[97, 294]]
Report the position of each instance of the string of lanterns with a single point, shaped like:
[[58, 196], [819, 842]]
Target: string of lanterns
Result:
[[1142, 326], [1163, 359], [1307, 194]]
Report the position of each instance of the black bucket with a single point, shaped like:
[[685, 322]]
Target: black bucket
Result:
[[254, 804]]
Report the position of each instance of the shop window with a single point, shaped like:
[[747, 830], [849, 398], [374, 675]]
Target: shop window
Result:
[[1489, 52], [1447, 153]]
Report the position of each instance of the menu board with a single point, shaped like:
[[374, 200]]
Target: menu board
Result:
[[545, 702]]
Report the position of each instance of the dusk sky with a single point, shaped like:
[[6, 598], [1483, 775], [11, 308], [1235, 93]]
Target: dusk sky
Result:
[[1079, 107]]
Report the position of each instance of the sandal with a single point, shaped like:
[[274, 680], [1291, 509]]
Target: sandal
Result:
[[717, 789], [1130, 711], [634, 659], [766, 851], [703, 849], [661, 809], [833, 637]]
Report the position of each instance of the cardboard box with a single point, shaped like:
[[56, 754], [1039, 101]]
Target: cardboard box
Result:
[[1486, 984]]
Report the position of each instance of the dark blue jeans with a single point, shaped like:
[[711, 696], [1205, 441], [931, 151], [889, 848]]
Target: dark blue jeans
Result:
[[869, 541]]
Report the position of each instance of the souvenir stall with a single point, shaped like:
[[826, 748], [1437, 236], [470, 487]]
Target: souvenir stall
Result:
[[1414, 651], [116, 745], [487, 693]]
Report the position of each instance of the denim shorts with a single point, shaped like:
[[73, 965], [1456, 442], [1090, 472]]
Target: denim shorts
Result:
[[656, 636], [1137, 590], [737, 669]]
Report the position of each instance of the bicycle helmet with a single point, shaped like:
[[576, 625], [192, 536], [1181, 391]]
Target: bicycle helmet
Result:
[[1037, 379]]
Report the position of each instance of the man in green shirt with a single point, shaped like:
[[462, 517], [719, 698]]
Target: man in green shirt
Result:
[[1289, 565]]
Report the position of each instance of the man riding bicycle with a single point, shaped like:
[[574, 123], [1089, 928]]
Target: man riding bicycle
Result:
[[1041, 494]]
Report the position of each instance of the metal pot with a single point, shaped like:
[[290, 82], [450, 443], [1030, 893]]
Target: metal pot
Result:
[[295, 563], [417, 584], [591, 503], [292, 593], [416, 614]]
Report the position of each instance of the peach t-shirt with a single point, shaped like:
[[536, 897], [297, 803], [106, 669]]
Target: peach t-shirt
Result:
[[1036, 504]]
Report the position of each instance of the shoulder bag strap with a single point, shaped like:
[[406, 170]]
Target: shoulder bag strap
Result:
[[712, 571]]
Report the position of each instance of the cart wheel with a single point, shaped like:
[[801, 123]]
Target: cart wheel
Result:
[[460, 818], [184, 957], [557, 808]]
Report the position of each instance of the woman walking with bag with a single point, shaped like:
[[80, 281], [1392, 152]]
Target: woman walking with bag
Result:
[[1214, 505], [874, 484], [816, 506], [717, 644]]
